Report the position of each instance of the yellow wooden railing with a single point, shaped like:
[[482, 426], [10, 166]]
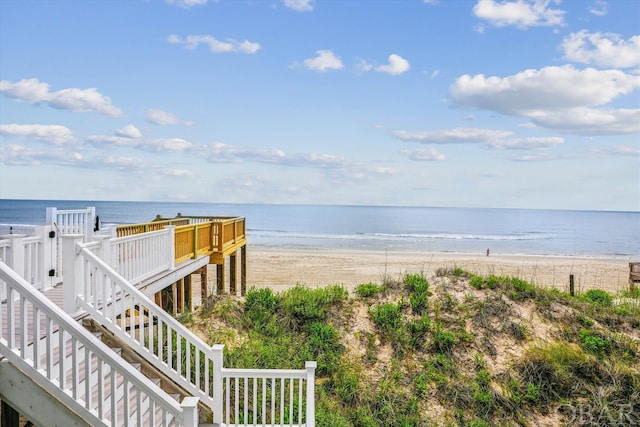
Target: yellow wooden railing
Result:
[[131, 229], [196, 236]]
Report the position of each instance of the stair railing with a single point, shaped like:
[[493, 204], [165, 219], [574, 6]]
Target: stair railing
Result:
[[75, 367], [174, 349]]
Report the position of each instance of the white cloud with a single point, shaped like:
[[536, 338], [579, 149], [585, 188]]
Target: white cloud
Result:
[[424, 155], [17, 155], [215, 45], [77, 100], [324, 61], [362, 66], [590, 121], [151, 145], [519, 13], [454, 136], [129, 131], [599, 8], [553, 95], [163, 118], [498, 139], [430, 1], [336, 165], [102, 141], [189, 3], [527, 143], [300, 5], [396, 66], [605, 50], [166, 145], [53, 134], [537, 157]]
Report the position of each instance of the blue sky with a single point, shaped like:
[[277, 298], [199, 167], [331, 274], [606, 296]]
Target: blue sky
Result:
[[484, 103]]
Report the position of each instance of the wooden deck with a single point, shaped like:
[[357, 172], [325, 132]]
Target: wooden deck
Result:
[[221, 238]]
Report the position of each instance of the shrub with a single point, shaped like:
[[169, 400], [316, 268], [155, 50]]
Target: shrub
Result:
[[388, 317], [419, 287], [305, 305], [443, 340], [367, 290], [556, 370], [599, 296], [477, 282], [260, 308], [593, 343], [459, 272]]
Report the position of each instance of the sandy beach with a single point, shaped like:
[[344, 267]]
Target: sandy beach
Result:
[[280, 268]]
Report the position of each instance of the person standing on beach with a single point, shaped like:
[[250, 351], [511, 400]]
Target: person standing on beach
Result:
[[487, 251]]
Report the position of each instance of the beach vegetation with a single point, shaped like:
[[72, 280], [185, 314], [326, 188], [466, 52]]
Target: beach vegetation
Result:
[[368, 290], [419, 288], [416, 353], [599, 297]]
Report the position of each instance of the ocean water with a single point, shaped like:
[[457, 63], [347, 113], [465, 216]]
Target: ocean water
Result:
[[382, 228]]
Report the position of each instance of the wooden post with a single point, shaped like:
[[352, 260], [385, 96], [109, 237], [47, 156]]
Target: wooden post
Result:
[[188, 295], [571, 286], [232, 274], [174, 291], [634, 275], [9, 416], [220, 278], [181, 295], [203, 283], [243, 270]]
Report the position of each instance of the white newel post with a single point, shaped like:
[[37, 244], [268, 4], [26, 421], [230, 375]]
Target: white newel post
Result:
[[311, 393], [190, 410], [15, 255], [51, 215], [104, 251], [218, 400], [47, 255], [171, 245], [72, 270], [91, 221]]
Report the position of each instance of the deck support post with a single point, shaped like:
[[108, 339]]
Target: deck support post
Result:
[[204, 288], [181, 292], [243, 270], [9, 417], [174, 292], [233, 278], [220, 278]]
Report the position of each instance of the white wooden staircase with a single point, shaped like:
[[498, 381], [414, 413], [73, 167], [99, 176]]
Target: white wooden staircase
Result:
[[55, 372]]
